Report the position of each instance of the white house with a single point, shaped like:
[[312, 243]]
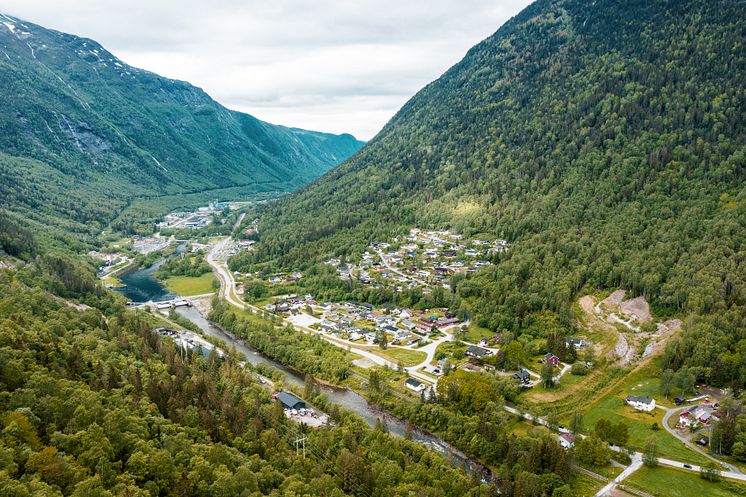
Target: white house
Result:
[[641, 403], [415, 385], [567, 440]]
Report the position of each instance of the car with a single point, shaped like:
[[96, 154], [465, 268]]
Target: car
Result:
[[688, 466]]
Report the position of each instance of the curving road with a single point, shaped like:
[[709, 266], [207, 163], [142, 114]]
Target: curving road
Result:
[[227, 285], [635, 457], [676, 411]]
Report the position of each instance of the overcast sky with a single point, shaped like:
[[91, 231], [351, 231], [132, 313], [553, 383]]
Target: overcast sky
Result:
[[327, 65]]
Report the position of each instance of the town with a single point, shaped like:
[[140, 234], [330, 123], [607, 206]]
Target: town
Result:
[[423, 258]]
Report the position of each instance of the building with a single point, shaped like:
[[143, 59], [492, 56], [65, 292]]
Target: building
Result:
[[700, 414], [478, 352], [641, 403], [567, 440], [576, 343], [523, 377], [551, 358], [290, 401], [415, 385]]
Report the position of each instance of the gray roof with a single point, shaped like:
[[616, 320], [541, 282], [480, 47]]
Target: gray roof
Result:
[[413, 382], [290, 401], [642, 400], [477, 351]]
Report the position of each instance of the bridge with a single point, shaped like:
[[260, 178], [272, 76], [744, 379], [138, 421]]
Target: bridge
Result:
[[170, 304]]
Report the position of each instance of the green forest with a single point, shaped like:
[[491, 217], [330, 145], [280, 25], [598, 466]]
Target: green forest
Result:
[[605, 141], [465, 413], [84, 136], [99, 405]]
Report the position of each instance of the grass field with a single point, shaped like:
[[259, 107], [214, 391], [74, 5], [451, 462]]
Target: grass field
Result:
[[584, 486], [449, 349], [475, 333], [405, 356], [613, 407], [186, 286], [112, 281], [667, 482]]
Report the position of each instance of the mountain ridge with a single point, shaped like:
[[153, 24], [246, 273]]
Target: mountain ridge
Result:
[[76, 108], [604, 141]]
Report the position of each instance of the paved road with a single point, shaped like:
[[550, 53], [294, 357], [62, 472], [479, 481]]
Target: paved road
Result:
[[394, 270], [665, 462], [227, 284], [634, 466], [676, 411]]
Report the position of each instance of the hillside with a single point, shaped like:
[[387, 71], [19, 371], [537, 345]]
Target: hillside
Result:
[[83, 133], [604, 140]]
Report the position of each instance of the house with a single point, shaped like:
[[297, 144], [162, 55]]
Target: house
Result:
[[641, 403], [282, 307], [478, 352], [576, 343], [522, 376], [567, 440], [415, 385], [408, 324], [678, 401], [700, 414], [290, 401], [551, 358]]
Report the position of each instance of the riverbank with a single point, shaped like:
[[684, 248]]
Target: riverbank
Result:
[[341, 396]]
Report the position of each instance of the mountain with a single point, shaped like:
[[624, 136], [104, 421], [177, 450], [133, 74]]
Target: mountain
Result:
[[83, 133], [604, 140]]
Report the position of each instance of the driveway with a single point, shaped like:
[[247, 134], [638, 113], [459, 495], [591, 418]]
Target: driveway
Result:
[[675, 411]]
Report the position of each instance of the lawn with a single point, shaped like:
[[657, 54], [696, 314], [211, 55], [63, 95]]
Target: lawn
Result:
[[614, 408], [668, 482], [451, 349], [186, 286], [475, 333], [405, 356]]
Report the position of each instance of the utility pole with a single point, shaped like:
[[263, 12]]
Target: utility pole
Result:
[[302, 441]]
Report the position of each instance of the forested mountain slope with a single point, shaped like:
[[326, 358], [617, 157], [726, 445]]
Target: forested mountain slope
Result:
[[604, 140], [103, 406], [81, 133]]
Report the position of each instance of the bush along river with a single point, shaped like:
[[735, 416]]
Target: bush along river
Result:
[[142, 286], [343, 397]]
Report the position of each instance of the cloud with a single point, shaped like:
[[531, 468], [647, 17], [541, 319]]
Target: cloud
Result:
[[330, 65]]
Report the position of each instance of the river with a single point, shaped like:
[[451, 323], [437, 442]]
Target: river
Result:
[[343, 397], [142, 286]]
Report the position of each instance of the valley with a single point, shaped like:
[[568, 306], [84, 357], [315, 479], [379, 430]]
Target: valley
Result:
[[529, 283], [343, 325]]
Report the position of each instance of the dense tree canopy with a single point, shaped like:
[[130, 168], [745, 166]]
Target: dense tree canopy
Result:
[[604, 140]]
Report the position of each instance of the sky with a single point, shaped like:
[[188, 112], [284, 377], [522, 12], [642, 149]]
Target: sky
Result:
[[341, 66]]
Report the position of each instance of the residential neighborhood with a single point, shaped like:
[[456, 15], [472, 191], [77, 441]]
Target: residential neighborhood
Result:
[[422, 259]]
